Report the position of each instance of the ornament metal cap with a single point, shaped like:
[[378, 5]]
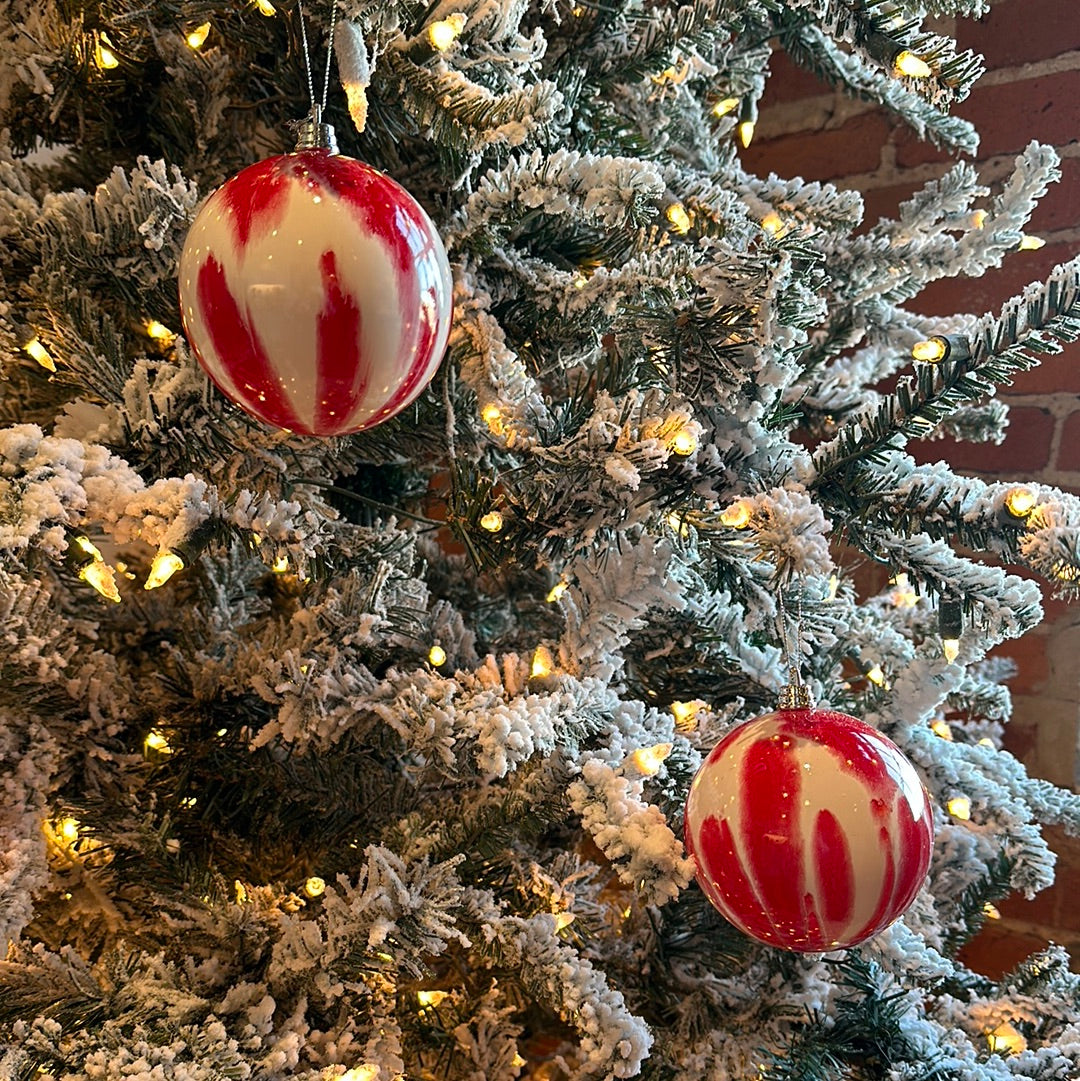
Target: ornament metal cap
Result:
[[795, 694], [313, 134]]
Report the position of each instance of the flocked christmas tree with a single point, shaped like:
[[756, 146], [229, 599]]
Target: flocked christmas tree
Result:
[[385, 777]]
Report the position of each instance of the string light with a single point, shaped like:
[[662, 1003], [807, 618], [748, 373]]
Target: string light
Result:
[[518, 1061], [165, 565], [280, 565], [437, 655], [445, 32], [542, 663], [367, 1072], [563, 920], [159, 331], [197, 39], [266, 8], [834, 585], [930, 351], [725, 106], [950, 649], [986, 741], [155, 743], [737, 516], [876, 675], [1031, 243], [580, 280], [556, 591], [1006, 1040], [746, 132], [314, 887], [491, 414], [914, 67], [959, 807], [685, 714], [95, 572], [903, 596], [772, 223], [648, 760], [978, 219], [941, 728], [492, 521], [430, 998], [684, 443], [40, 354], [680, 220], [1020, 502], [991, 912], [104, 56], [67, 829]]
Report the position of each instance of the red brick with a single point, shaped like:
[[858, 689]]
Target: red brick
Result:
[[1026, 449], [948, 296], [885, 202], [1058, 207], [1059, 374], [789, 82], [997, 950], [1068, 457], [911, 150], [1017, 31], [854, 147], [1032, 667], [1008, 116]]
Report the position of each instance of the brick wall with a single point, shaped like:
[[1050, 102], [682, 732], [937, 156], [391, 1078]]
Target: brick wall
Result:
[[1031, 90]]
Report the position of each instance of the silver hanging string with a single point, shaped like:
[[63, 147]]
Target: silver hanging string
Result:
[[794, 694], [312, 133]]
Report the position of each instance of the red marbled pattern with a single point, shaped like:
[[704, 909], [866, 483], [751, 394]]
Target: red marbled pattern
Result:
[[810, 830], [316, 293]]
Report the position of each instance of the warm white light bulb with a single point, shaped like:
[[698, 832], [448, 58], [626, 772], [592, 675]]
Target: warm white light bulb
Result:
[[737, 516], [648, 760], [542, 663], [680, 220], [430, 998], [1031, 243], [101, 577], [368, 1071], [950, 648], [725, 106], [104, 57], [772, 223], [315, 887], [492, 521], [959, 807], [685, 714], [746, 132], [914, 67], [165, 565], [941, 728], [156, 743], [930, 351], [684, 443], [40, 354], [437, 655], [1006, 1039], [67, 829], [266, 7], [196, 38], [556, 591], [1020, 502], [445, 32], [563, 920], [159, 331], [280, 565], [876, 675]]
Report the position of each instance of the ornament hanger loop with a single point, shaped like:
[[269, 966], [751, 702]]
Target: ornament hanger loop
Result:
[[312, 133], [794, 694]]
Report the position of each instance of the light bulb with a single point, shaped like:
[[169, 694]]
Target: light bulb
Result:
[[685, 714], [165, 565], [100, 576], [834, 585], [517, 1060], [444, 33], [159, 331], [876, 675], [985, 742], [914, 67], [725, 106], [648, 760], [266, 7], [959, 807], [580, 280], [430, 998], [978, 219], [950, 649], [1031, 243], [1006, 1040], [556, 591], [197, 39], [930, 351], [542, 663], [746, 132], [1020, 502], [737, 516], [40, 354], [156, 742], [680, 220], [991, 912], [104, 57], [772, 223], [366, 1072], [437, 655], [315, 887], [492, 415], [941, 728], [563, 920], [492, 521], [684, 443], [280, 565], [67, 829]]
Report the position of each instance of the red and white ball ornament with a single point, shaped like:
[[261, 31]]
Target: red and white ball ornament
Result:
[[810, 830], [316, 293]]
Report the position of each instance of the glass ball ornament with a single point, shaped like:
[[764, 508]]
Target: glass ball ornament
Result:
[[316, 293], [810, 830]]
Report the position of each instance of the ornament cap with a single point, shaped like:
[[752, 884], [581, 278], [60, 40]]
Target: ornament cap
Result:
[[313, 134], [794, 694]]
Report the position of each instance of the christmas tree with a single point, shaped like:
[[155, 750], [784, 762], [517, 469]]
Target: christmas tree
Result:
[[366, 755]]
